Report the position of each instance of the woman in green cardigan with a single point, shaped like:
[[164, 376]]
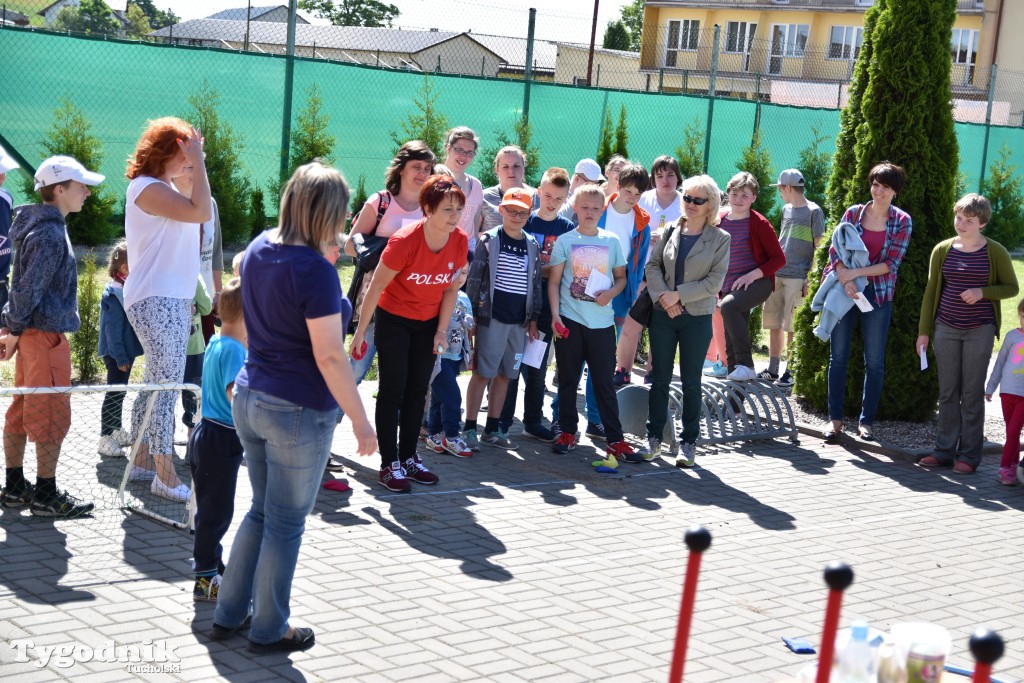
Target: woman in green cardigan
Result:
[[967, 277]]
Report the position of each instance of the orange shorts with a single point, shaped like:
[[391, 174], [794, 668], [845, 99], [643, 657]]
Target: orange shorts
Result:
[[43, 359]]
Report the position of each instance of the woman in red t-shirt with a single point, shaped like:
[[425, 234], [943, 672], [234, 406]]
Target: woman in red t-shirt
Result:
[[412, 294]]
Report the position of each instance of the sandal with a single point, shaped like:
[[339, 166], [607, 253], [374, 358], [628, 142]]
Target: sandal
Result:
[[864, 432], [830, 435]]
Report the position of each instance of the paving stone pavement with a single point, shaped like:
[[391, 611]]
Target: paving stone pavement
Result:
[[527, 566]]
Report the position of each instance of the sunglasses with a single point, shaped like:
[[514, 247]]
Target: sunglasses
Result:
[[696, 201]]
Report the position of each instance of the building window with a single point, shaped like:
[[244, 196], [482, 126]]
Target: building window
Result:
[[789, 39], [738, 36], [682, 37], [965, 46], [845, 42]]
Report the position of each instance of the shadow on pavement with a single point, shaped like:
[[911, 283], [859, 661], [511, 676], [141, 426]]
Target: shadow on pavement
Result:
[[35, 559]]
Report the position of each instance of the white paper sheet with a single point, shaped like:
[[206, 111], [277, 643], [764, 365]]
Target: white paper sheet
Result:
[[533, 354], [862, 303], [597, 283], [924, 359]]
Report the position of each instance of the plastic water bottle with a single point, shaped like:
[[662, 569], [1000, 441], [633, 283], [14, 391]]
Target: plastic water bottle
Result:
[[857, 661]]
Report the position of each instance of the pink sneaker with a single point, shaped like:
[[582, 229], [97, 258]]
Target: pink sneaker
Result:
[[1007, 476]]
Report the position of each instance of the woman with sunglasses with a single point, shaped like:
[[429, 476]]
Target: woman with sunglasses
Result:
[[755, 255], [460, 149], [684, 276], [412, 295]]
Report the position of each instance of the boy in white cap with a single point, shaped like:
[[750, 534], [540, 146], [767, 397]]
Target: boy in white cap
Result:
[[587, 172], [42, 308], [7, 163], [803, 224]]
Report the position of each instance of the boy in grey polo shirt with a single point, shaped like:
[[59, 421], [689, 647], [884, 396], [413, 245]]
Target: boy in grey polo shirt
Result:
[[803, 224]]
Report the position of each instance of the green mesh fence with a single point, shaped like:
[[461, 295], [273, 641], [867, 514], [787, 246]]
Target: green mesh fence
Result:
[[118, 85]]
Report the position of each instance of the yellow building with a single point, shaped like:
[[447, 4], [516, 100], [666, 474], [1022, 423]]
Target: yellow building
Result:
[[793, 51]]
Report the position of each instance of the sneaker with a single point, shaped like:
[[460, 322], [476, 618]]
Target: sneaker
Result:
[[179, 494], [564, 443], [456, 446], [742, 374], [768, 376], [652, 450], [108, 447], [717, 370], [122, 437], [499, 439], [393, 478], [620, 377], [62, 505], [1020, 473], [1007, 476], [539, 432], [707, 365], [424, 432], [334, 464], [556, 429], [596, 431], [471, 440], [418, 472], [621, 451], [687, 455], [206, 588], [786, 381], [141, 474], [18, 496], [434, 443], [649, 378]]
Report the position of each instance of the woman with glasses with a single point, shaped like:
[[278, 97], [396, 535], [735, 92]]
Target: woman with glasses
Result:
[[684, 276], [460, 149], [411, 297]]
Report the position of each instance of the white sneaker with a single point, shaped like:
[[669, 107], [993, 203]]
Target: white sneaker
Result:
[[742, 374], [108, 447], [687, 455], [178, 494], [141, 474], [652, 450], [122, 437]]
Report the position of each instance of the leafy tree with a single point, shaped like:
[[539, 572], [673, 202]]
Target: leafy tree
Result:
[[157, 18], [757, 161], [691, 153], [310, 138], [91, 17], [1003, 190], [83, 343], [359, 198], [633, 18], [353, 12], [138, 23], [257, 213], [223, 149], [71, 135], [616, 37], [428, 124], [606, 147], [905, 42], [815, 164], [622, 134], [522, 136]]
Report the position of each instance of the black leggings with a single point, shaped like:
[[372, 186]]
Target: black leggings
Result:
[[405, 361], [110, 416]]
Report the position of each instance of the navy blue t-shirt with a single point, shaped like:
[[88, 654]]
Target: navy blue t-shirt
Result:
[[546, 233], [511, 281], [6, 202], [283, 286]]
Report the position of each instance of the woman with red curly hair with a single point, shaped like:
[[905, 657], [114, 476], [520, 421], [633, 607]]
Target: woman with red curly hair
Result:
[[162, 229]]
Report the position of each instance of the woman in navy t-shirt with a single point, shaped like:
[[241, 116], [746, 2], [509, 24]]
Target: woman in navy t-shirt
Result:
[[286, 402]]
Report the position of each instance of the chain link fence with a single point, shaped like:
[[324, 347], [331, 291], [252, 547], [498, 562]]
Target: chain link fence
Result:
[[717, 87]]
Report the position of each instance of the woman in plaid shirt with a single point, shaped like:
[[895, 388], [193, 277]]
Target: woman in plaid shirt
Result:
[[885, 230]]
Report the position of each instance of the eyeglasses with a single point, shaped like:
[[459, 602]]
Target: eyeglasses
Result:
[[516, 214], [696, 201], [464, 152]]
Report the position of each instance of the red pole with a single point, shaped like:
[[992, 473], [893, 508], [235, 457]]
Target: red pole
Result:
[[593, 41], [838, 577], [698, 539], [986, 646]]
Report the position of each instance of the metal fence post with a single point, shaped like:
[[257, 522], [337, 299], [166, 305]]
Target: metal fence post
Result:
[[661, 79], [600, 129], [438, 70], [757, 107], [597, 78], [289, 82], [483, 66], [988, 126], [711, 95], [528, 67]]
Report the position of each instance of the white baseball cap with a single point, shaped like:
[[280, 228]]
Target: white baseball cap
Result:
[[59, 169], [7, 162], [589, 169]]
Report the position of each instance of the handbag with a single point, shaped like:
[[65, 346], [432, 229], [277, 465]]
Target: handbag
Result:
[[642, 308], [368, 249]]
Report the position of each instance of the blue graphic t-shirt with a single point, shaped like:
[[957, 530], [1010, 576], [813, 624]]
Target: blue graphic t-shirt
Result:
[[582, 255]]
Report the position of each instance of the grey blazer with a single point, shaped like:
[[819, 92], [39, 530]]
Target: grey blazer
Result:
[[706, 266]]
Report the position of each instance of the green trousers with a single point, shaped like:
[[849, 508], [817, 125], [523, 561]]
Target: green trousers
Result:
[[690, 334]]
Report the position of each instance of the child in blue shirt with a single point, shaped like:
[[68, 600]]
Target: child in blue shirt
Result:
[[445, 415], [214, 452]]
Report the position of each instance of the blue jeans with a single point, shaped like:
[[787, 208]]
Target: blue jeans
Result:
[[286, 450], [593, 416], [446, 400], [874, 328], [362, 366]]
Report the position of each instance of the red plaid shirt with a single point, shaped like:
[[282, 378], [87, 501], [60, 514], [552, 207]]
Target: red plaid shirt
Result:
[[897, 239]]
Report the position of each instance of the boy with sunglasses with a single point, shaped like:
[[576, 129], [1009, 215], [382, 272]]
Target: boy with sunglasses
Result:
[[504, 289]]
